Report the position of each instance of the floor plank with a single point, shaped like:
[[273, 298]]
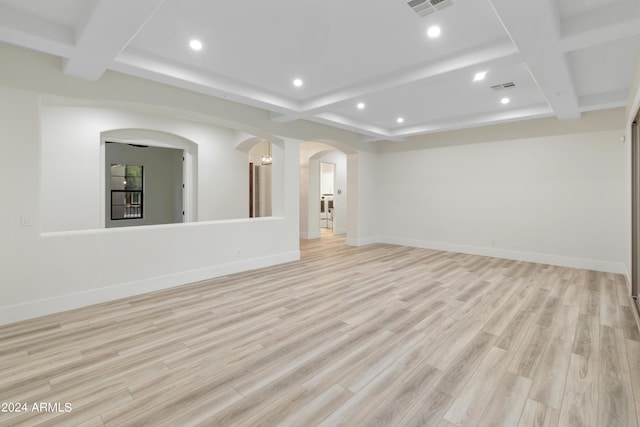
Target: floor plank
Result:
[[616, 405], [551, 373], [580, 402], [508, 402], [536, 414]]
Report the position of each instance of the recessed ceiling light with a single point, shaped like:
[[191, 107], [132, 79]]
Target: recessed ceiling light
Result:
[[433, 31], [195, 44], [400, 120], [505, 100], [360, 105], [298, 82], [479, 76]]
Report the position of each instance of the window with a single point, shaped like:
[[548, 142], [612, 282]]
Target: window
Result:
[[126, 191]]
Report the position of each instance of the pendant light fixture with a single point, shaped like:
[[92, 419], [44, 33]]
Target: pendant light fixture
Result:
[[267, 159]]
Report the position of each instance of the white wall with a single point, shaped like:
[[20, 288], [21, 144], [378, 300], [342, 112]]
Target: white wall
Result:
[[363, 203], [19, 249], [71, 148], [45, 272], [552, 199]]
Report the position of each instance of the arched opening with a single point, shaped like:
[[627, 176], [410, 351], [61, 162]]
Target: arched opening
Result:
[[260, 179], [335, 211], [165, 189], [264, 156]]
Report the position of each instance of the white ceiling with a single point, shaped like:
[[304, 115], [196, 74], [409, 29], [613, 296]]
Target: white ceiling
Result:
[[564, 56]]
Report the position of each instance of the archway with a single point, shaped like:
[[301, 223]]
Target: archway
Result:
[[265, 191], [345, 219], [161, 139]]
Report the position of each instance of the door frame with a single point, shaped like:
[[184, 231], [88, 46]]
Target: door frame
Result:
[[322, 195], [635, 205]]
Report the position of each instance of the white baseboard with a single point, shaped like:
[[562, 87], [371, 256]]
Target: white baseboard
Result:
[[339, 231], [317, 234], [563, 261], [627, 278], [43, 307], [310, 235], [362, 242]]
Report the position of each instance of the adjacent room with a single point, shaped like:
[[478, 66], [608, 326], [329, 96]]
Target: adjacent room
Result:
[[295, 213]]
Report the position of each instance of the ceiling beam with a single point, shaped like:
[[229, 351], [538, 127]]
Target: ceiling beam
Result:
[[109, 29], [370, 139], [499, 54], [161, 70], [341, 122], [540, 49], [603, 100], [602, 25], [285, 117], [532, 112], [34, 32], [500, 50]]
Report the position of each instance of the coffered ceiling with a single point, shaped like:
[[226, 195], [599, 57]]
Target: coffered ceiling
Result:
[[563, 57]]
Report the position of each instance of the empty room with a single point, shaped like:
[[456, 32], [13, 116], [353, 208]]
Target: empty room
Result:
[[320, 213]]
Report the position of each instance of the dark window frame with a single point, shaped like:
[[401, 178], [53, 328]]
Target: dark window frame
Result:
[[133, 206]]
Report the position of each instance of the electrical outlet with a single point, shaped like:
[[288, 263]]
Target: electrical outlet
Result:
[[493, 242]]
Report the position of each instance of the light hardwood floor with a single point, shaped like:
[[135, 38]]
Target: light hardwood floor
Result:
[[378, 335]]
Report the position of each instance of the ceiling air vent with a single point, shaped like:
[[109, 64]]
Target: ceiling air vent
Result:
[[504, 86], [427, 7]]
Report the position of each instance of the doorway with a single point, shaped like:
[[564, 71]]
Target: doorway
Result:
[[327, 186], [341, 189]]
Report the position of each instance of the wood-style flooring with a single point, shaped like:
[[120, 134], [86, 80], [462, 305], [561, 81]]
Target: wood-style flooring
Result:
[[377, 335]]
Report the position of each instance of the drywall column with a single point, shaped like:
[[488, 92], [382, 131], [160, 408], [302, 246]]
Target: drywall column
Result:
[[19, 219], [286, 184], [369, 203], [304, 198], [313, 217], [353, 168], [362, 202]]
